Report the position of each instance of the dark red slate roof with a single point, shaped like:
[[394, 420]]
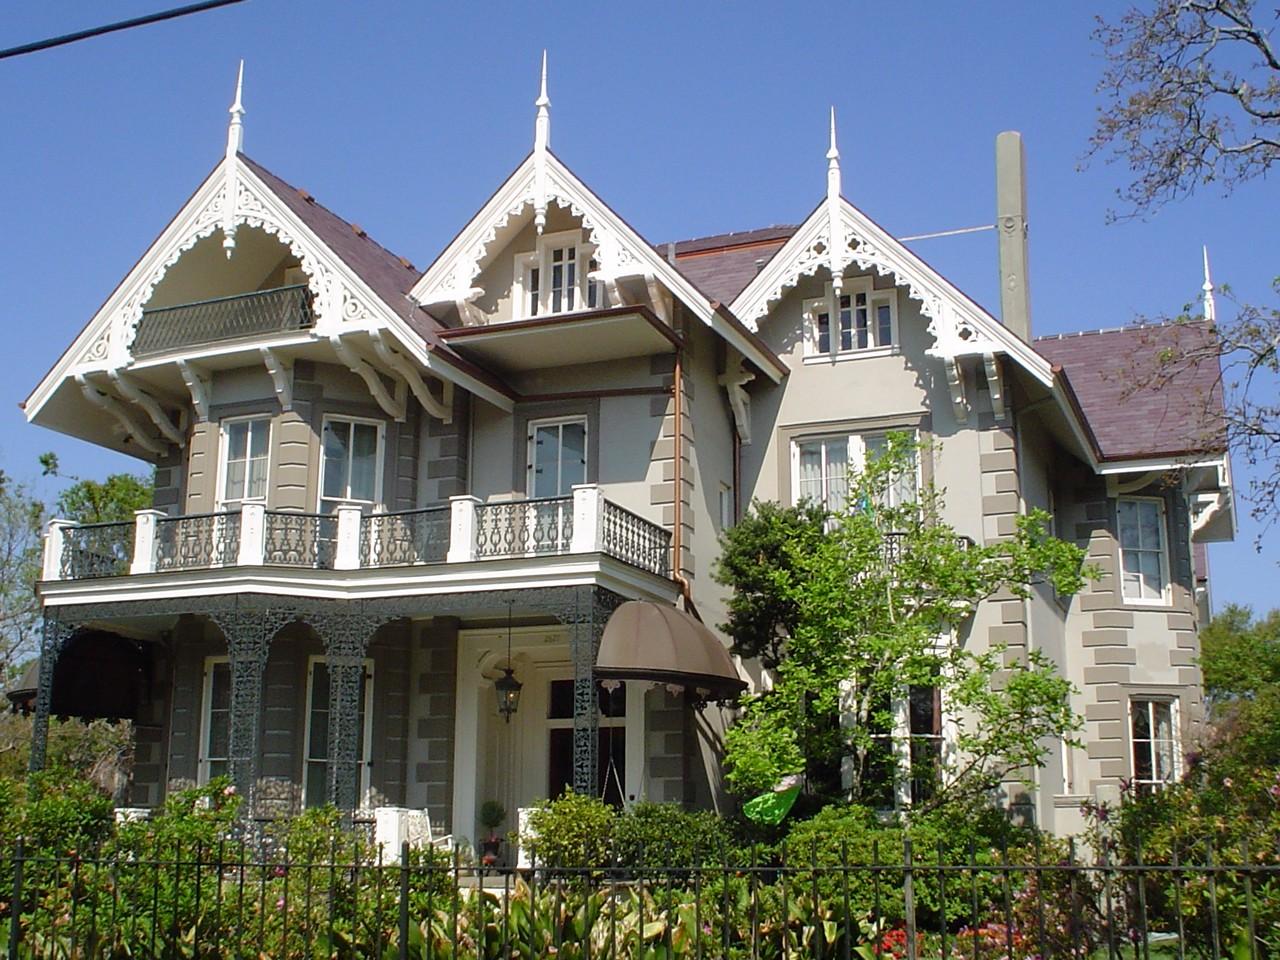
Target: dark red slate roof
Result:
[[1173, 412], [721, 266]]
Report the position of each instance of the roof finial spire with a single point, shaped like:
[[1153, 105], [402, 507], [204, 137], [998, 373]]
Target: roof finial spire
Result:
[[541, 143], [235, 130], [1210, 306], [837, 246], [833, 161]]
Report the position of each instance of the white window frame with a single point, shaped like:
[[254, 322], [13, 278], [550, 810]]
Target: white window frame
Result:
[[1166, 590], [1175, 727], [380, 456], [206, 719], [828, 304], [540, 257], [856, 455], [366, 766], [224, 447], [531, 448]]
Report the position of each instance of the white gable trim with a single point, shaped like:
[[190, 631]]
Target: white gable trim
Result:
[[343, 302], [620, 251], [958, 325]]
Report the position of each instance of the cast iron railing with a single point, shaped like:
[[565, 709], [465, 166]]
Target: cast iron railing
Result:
[[196, 541], [894, 546], [635, 540], [299, 539], [172, 897], [404, 537], [521, 527], [97, 550], [280, 310]]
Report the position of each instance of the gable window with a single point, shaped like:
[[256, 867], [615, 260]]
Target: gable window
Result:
[[1144, 569], [1154, 727], [557, 456], [246, 445], [820, 469], [858, 322], [555, 278], [315, 774], [215, 726], [351, 462]]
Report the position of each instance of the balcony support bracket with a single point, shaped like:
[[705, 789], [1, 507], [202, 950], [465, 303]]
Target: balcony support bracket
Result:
[[113, 406], [197, 381], [401, 365], [995, 385], [394, 407], [132, 392], [281, 376]]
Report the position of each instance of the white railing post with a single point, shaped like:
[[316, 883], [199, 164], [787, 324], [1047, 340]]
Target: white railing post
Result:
[[253, 535], [53, 544], [144, 541], [347, 555], [588, 519], [462, 529]]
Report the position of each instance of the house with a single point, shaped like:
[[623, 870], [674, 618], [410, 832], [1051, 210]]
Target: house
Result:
[[426, 539]]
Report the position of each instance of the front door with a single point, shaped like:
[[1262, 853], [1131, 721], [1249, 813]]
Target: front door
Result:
[[315, 774], [612, 741]]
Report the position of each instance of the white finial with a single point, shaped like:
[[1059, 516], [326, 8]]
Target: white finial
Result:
[[837, 245], [235, 130], [833, 161], [1210, 306], [541, 143]]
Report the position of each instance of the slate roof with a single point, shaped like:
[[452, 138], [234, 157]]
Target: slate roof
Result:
[[1181, 414], [721, 266]]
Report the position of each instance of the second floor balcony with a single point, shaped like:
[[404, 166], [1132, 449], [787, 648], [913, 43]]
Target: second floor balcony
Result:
[[165, 330], [464, 530]]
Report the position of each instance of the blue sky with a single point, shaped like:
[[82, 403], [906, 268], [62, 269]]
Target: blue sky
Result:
[[688, 118]]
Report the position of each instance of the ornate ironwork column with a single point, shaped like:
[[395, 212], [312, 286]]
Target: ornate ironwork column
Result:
[[54, 636], [591, 610], [248, 633], [346, 636]]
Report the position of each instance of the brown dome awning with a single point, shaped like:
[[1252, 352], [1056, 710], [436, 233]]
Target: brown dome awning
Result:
[[650, 641]]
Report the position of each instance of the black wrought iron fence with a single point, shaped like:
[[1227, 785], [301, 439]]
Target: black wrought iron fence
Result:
[[635, 540], [523, 527], [299, 539], [198, 540], [91, 550], [279, 310], [405, 537], [230, 900]]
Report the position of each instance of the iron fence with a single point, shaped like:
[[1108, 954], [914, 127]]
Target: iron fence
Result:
[[280, 310], [405, 537], [197, 540], [522, 527], [91, 550], [299, 539], [225, 899]]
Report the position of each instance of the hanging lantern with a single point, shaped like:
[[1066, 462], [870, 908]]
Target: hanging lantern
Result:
[[508, 688]]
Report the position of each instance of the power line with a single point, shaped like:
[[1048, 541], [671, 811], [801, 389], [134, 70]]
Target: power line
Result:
[[113, 27], [948, 233]]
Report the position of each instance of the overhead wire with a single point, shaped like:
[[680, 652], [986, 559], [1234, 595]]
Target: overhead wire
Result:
[[37, 45]]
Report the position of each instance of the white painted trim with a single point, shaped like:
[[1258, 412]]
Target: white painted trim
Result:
[[1166, 590], [206, 719], [829, 303], [219, 498], [379, 499], [366, 733]]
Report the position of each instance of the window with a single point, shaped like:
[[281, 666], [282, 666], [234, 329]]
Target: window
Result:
[[557, 456], [351, 462], [904, 758], [860, 320], [215, 733], [924, 715], [1143, 565], [1155, 743], [612, 704], [246, 443], [556, 278], [820, 469], [315, 774], [727, 507]]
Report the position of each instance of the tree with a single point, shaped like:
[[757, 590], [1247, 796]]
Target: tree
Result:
[[21, 518], [1240, 659], [1193, 97], [874, 601], [99, 501]]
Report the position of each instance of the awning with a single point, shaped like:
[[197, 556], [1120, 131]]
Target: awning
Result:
[[644, 640]]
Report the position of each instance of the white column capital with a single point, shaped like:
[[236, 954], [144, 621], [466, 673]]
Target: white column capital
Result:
[[347, 555], [588, 519], [462, 529], [253, 535]]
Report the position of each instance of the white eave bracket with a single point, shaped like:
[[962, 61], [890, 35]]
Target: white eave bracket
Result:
[[281, 376], [135, 394], [734, 381], [113, 406], [197, 381], [394, 407], [995, 385], [441, 409], [955, 383]]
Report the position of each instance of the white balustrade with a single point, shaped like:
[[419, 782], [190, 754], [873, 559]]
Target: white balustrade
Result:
[[462, 529], [588, 511], [144, 541], [53, 549], [253, 535], [347, 556]]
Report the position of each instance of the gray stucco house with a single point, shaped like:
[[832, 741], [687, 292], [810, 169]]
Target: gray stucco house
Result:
[[388, 498]]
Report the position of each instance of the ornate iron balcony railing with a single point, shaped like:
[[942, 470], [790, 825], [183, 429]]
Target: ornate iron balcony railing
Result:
[[166, 329], [634, 540], [405, 537], [522, 527], [97, 550], [197, 541], [299, 539]]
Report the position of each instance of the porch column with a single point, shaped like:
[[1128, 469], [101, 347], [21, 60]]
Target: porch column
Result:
[[54, 636], [346, 637], [591, 611], [248, 634]]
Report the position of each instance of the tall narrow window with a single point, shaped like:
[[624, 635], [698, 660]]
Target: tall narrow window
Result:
[[924, 709], [316, 764], [823, 471], [860, 321], [557, 456], [532, 291], [847, 322], [245, 454], [1155, 743], [1143, 564], [823, 321], [215, 734], [351, 468], [564, 278]]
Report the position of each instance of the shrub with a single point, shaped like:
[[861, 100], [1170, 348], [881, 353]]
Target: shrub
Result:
[[573, 831], [665, 835]]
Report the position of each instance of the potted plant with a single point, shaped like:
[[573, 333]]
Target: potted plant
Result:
[[492, 816]]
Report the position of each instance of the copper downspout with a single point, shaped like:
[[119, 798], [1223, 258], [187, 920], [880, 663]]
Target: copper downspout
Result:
[[677, 473]]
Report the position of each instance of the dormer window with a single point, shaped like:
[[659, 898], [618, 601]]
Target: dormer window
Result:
[[555, 278], [861, 321]]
